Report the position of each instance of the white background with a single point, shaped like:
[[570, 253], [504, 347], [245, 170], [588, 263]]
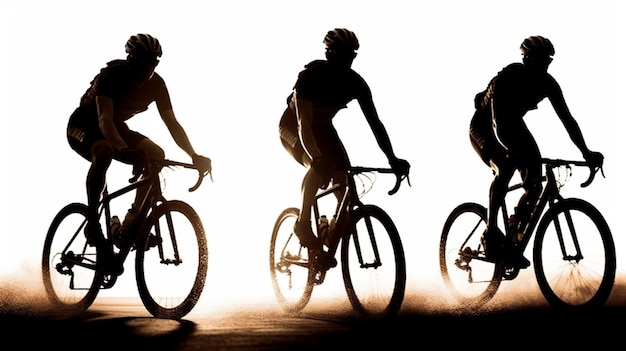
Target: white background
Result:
[[229, 66]]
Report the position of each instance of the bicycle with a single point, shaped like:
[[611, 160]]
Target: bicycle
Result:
[[170, 276], [573, 251], [372, 256]]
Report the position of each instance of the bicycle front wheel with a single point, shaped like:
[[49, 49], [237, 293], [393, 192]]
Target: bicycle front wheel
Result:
[[171, 275], [373, 263], [574, 255], [69, 270], [290, 268], [471, 279]]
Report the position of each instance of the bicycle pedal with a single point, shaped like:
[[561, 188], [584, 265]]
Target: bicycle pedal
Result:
[[319, 276], [324, 261]]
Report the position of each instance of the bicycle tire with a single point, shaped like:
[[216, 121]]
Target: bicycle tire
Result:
[[566, 280], [290, 269], [470, 279], [171, 276], [70, 277], [373, 263]]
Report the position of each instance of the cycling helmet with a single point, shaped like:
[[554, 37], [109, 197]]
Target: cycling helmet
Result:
[[537, 46], [143, 44], [341, 39]]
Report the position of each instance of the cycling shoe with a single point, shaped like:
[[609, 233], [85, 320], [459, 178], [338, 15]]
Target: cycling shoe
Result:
[[305, 234], [94, 235], [495, 245], [107, 261], [323, 260]]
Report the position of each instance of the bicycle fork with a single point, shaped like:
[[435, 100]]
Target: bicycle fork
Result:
[[170, 229]]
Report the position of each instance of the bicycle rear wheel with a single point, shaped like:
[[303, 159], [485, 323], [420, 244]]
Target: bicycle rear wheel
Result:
[[471, 279], [171, 275], [290, 268], [577, 271], [373, 263], [69, 270]]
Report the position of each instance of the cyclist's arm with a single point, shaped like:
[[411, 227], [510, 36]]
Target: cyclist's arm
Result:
[[573, 129], [379, 130], [304, 111], [178, 133], [105, 121]]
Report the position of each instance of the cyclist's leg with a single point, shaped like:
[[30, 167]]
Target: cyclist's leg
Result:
[[332, 150], [101, 156], [291, 142], [493, 154], [497, 192], [525, 156], [311, 182], [530, 171], [138, 141], [91, 145]]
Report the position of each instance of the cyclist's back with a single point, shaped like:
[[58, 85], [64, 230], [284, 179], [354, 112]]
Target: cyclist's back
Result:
[[130, 97], [330, 88]]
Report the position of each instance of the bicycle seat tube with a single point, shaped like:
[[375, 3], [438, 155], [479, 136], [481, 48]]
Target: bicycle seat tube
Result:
[[548, 195], [151, 197], [342, 212]]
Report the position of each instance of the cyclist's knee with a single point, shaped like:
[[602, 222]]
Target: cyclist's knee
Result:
[[533, 190], [102, 151], [154, 151], [315, 179], [340, 177]]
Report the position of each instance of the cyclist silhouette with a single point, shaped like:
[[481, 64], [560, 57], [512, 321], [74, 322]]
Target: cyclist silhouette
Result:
[[97, 129], [501, 138], [306, 131]]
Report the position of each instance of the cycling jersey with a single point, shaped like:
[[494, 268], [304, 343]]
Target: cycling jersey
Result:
[[518, 91], [117, 82], [329, 88], [513, 91]]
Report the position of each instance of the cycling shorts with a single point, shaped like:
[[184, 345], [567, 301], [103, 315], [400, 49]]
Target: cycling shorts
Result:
[[326, 138], [81, 138]]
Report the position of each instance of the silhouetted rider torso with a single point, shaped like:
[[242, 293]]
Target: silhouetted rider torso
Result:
[[117, 82]]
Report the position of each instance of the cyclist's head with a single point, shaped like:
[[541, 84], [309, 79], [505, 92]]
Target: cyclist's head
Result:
[[143, 49], [341, 46], [537, 52]]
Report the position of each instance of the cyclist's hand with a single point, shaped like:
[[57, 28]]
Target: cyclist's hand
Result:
[[138, 158], [202, 163], [595, 159], [400, 167]]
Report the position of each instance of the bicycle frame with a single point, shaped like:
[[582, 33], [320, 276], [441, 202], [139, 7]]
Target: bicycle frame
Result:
[[152, 197], [349, 202], [550, 195], [150, 201]]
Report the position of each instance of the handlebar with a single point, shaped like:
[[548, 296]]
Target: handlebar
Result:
[[171, 163], [593, 169], [399, 177]]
